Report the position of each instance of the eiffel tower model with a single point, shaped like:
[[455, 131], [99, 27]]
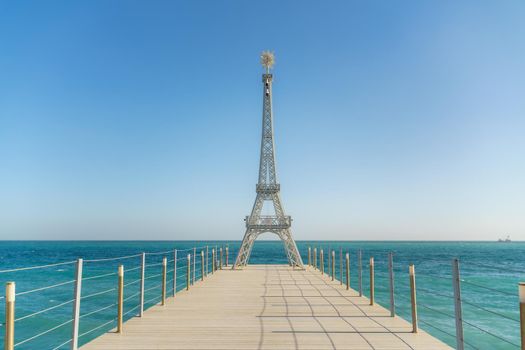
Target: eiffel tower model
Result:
[[268, 189]]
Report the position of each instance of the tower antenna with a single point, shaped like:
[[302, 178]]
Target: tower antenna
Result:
[[267, 60]]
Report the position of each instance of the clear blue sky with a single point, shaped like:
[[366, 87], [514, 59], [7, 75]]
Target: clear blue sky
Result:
[[141, 119]]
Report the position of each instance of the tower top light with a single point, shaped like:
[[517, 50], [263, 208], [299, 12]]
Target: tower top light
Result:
[[267, 60]]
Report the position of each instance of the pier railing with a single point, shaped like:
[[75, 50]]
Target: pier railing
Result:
[[100, 294], [462, 320]]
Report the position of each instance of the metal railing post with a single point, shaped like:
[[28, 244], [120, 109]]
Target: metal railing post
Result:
[[194, 259], [120, 298], [202, 265], [372, 280], [226, 256], [315, 258], [521, 294], [188, 273], [174, 272], [142, 276], [220, 260], [10, 293], [457, 305], [329, 262], [164, 272], [216, 258], [309, 255], [341, 265], [413, 301], [347, 271], [333, 264], [207, 254], [391, 276], [212, 261], [360, 271], [76, 305], [321, 258]]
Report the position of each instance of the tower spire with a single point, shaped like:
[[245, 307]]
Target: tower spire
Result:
[[268, 189]]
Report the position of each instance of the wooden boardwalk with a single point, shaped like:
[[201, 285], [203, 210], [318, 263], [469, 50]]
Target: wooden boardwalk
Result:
[[267, 307]]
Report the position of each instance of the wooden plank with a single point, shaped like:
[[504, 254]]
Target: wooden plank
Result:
[[267, 307]]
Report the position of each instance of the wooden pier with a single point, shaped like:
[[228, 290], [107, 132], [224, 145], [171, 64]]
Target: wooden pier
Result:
[[266, 307]]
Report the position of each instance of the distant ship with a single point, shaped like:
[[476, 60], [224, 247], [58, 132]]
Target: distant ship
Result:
[[506, 240]]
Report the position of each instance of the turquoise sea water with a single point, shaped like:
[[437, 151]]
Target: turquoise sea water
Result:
[[490, 273]]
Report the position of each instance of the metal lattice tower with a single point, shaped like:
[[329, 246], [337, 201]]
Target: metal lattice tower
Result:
[[268, 189]]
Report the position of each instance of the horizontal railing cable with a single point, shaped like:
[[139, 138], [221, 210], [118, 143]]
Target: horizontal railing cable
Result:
[[98, 276], [131, 297], [159, 253], [132, 282], [112, 259], [45, 288], [150, 300], [434, 276], [153, 276], [151, 288], [499, 268], [97, 293], [434, 293], [42, 333], [133, 269], [37, 267], [487, 288], [44, 310], [130, 310], [427, 307], [61, 345], [490, 333], [437, 328], [98, 327], [98, 310], [490, 311]]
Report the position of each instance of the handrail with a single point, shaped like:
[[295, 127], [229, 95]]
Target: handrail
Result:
[[457, 299], [169, 284], [154, 290]]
